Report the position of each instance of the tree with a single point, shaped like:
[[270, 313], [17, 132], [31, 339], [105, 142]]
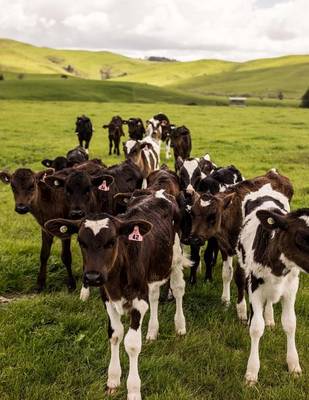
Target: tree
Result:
[[305, 100]]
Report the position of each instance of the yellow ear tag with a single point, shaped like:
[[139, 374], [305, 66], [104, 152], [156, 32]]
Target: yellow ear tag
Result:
[[271, 221], [63, 229]]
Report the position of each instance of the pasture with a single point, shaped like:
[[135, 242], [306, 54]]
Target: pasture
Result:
[[54, 346]]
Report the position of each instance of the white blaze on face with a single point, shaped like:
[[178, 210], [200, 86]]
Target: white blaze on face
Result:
[[96, 226], [207, 157], [205, 203], [129, 145], [190, 166], [305, 218], [160, 195]]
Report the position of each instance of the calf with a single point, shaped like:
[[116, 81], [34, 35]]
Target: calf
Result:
[[273, 247], [84, 130], [32, 195], [181, 143], [73, 157], [136, 128], [190, 173], [143, 155], [221, 216], [115, 132], [159, 128], [219, 180], [129, 258]]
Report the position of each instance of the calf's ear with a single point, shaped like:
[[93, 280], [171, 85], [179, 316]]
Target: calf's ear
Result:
[[271, 220], [54, 182], [47, 163], [5, 177], [105, 126], [102, 182], [138, 228], [62, 228], [228, 200]]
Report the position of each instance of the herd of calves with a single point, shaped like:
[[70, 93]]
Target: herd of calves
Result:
[[132, 219]]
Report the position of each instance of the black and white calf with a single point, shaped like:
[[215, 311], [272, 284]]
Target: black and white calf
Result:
[[273, 247], [159, 128], [129, 258]]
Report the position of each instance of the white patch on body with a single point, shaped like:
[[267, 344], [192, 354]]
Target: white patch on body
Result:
[[96, 226], [305, 218], [129, 145], [205, 203], [160, 195], [207, 157]]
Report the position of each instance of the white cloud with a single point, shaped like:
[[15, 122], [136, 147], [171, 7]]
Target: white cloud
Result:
[[185, 29]]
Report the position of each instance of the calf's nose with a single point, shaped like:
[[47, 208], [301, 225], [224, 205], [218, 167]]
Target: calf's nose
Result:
[[75, 214], [22, 208], [93, 278]]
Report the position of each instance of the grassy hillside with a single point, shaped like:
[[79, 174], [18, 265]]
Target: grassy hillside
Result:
[[292, 80], [54, 347], [264, 77], [74, 89]]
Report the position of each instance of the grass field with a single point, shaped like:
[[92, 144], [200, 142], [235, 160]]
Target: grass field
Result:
[[55, 347]]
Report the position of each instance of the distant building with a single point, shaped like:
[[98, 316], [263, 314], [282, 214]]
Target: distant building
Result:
[[238, 101]]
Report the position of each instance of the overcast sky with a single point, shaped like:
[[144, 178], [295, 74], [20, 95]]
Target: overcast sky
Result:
[[182, 29]]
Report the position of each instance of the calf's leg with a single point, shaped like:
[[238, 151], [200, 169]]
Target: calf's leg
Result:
[[269, 315], [153, 296], [210, 257], [115, 334], [256, 331], [227, 276], [47, 241], [133, 346], [241, 306], [66, 257], [177, 284], [195, 257], [110, 146], [288, 320]]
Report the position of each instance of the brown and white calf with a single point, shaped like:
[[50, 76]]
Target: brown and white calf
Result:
[[221, 216], [144, 155], [273, 247], [32, 195], [159, 128], [129, 258]]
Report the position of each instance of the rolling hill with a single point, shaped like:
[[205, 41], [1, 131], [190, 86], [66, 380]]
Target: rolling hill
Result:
[[256, 78]]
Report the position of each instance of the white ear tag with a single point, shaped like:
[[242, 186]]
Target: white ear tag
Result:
[[104, 187], [56, 183], [63, 229], [135, 235], [270, 221]]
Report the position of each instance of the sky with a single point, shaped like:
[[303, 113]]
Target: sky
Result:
[[182, 29]]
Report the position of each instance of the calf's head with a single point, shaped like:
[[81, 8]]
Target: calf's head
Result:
[[24, 184], [79, 189], [290, 236], [189, 173], [98, 237], [206, 214]]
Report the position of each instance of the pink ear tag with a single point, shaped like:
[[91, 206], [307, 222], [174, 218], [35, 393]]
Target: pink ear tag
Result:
[[135, 235], [104, 187]]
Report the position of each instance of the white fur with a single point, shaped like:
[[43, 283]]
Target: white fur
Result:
[[153, 296], [133, 346], [129, 145], [96, 226], [227, 276], [205, 203], [160, 195], [190, 166], [84, 293], [114, 369], [305, 218]]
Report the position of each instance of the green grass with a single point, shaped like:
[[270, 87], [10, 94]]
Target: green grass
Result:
[[256, 78], [53, 346]]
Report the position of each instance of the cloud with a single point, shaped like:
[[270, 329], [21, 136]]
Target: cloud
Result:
[[230, 29]]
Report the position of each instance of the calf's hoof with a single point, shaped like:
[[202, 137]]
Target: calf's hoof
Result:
[[295, 371], [270, 324], [225, 302], [250, 379], [134, 396], [71, 285], [181, 331], [151, 335], [111, 390]]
